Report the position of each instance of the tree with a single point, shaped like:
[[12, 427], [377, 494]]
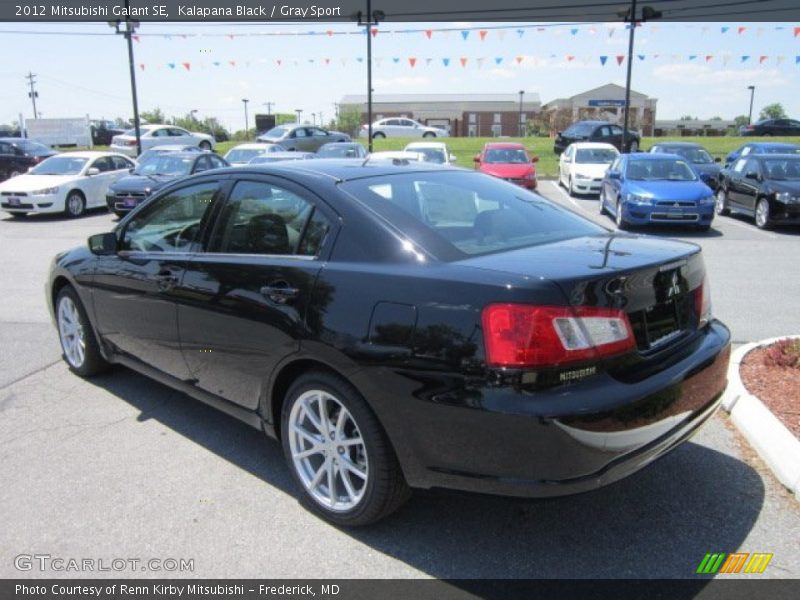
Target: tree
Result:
[[283, 118], [349, 121], [688, 118], [153, 116], [773, 111]]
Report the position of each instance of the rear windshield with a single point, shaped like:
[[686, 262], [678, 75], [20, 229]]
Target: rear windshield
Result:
[[697, 156], [580, 130], [595, 156], [455, 215], [659, 169], [512, 156]]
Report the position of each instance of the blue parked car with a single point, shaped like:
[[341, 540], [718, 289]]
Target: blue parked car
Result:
[[639, 189], [761, 148]]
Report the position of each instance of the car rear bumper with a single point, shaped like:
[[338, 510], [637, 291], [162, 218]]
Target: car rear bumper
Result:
[[568, 439]]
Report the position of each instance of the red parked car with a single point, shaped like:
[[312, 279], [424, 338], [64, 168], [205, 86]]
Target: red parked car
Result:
[[509, 161]]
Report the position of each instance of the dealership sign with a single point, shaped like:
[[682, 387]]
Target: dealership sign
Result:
[[606, 102]]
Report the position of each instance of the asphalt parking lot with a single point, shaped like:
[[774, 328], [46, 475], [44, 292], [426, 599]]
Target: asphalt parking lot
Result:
[[123, 467]]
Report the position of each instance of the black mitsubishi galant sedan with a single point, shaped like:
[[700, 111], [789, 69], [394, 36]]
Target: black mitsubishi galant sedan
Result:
[[403, 326]]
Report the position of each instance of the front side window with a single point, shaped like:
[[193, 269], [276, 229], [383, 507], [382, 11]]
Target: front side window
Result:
[[172, 223], [262, 218], [455, 215]]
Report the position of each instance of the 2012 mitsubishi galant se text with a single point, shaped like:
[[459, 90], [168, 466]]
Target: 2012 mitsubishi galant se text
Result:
[[403, 326]]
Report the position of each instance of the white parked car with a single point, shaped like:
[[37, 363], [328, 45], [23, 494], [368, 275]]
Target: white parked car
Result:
[[244, 153], [582, 166], [158, 135], [400, 127], [435, 152], [68, 183]]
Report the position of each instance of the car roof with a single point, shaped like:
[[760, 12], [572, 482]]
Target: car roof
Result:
[[92, 154], [253, 146], [680, 144], [340, 144], [773, 156], [603, 145], [345, 169], [654, 155], [509, 145], [426, 145], [771, 145]]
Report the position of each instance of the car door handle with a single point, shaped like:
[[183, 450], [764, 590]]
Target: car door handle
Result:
[[280, 292]]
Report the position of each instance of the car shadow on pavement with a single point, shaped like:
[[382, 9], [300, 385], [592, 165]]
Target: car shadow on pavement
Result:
[[658, 523]]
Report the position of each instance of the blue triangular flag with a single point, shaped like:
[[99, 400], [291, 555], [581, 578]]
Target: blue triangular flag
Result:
[[465, 34], [603, 60], [446, 62], [499, 59]]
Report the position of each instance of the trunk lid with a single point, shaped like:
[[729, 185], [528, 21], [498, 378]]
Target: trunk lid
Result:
[[655, 281]]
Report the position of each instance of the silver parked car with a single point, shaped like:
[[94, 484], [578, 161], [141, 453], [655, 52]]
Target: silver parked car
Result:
[[399, 127], [306, 138]]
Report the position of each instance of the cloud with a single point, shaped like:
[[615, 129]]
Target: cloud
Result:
[[692, 73], [402, 82]]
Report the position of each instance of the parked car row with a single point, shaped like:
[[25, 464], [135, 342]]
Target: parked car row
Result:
[[158, 135]]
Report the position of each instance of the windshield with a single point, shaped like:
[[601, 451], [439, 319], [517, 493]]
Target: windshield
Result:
[[132, 132], [505, 156], [457, 214], [782, 169], [276, 132], [243, 155], [164, 164], [60, 165], [339, 152], [579, 130], [434, 155], [595, 156], [697, 156], [661, 169]]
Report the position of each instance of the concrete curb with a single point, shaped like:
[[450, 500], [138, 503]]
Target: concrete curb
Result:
[[779, 448]]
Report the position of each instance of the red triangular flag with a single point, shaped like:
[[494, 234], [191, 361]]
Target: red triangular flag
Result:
[[519, 59], [429, 33], [187, 66], [464, 60], [231, 36], [796, 31], [141, 66], [374, 32], [327, 61], [412, 61], [741, 29], [232, 63], [570, 58], [762, 58], [136, 38], [483, 33], [620, 58], [329, 32], [279, 61], [708, 57]]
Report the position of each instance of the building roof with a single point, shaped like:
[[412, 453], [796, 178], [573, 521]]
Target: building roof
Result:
[[528, 97], [693, 124]]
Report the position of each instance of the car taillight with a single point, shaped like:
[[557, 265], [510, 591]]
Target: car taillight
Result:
[[523, 335], [702, 302], [131, 142]]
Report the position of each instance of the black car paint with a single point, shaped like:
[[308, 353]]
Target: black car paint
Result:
[[14, 158], [767, 127], [563, 139], [744, 189], [406, 333]]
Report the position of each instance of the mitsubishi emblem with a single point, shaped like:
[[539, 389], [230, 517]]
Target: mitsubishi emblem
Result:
[[674, 288]]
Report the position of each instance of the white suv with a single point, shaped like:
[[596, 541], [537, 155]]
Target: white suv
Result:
[[401, 127]]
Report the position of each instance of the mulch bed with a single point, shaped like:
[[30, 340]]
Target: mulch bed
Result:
[[777, 387]]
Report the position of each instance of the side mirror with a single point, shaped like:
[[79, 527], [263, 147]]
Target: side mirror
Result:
[[453, 158], [92, 171], [476, 158], [614, 175], [718, 159], [752, 175], [103, 244], [534, 159]]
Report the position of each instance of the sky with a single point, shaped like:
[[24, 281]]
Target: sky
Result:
[[82, 68]]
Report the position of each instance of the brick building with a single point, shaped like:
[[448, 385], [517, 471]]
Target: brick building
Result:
[[473, 115]]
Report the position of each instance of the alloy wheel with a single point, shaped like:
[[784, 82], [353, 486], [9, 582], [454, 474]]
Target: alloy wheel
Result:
[[721, 204], [70, 331], [762, 214], [328, 452], [75, 204]]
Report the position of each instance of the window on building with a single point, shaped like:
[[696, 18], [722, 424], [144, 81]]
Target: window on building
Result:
[[497, 118], [473, 118]]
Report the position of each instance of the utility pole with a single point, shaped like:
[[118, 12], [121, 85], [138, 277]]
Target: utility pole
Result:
[[269, 107], [127, 33], [299, 112], [752, 89], [371, 19], [33, 94], [246, 120]]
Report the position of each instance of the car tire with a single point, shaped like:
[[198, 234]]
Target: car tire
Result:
[[75, 204], [721, 203], [79, 346], [634, 146], [602, 201], [429, 134], [365, 477], [570, 189], [762, 217], [619, 219], [205, 145], [378, 135]]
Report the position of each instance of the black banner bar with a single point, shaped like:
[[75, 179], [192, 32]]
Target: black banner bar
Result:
[[315, 11], [379, 589]]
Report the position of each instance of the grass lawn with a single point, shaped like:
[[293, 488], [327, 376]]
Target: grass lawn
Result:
[[466, 148]]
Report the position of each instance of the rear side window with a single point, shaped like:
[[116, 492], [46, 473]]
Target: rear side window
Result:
[[455, 215], [263, 218]]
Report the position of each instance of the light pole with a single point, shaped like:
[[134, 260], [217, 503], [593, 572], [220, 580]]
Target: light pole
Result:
[[752, 89], [313, 118], [371, 19], [299, 112], [130, 27], [246, 120], [521, 94], [630, 16]]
